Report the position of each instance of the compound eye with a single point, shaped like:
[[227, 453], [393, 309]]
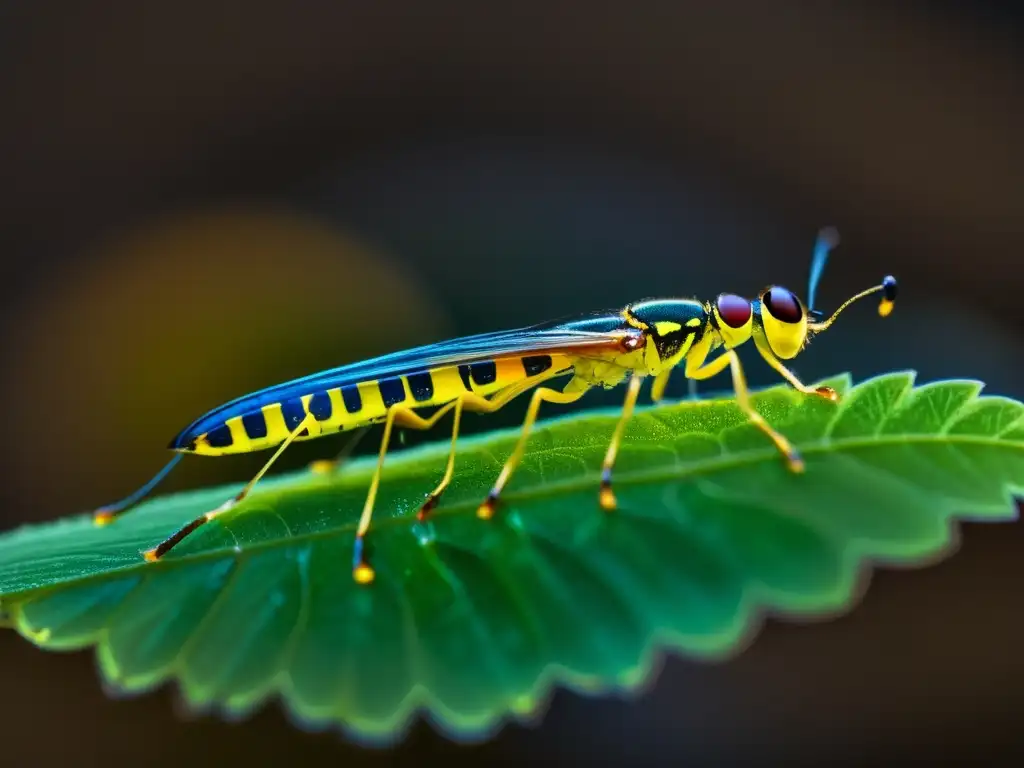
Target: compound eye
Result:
[[783, 305], [734, 310]]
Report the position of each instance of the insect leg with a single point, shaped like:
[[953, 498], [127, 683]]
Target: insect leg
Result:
[[435, 495], [661, 381], [477, 404], [109, 513], [691, 390], [362, 571], [607, 497], [739, 382], [658, 387], [769, 357], [544, 394], [175, 538], [324, 466]]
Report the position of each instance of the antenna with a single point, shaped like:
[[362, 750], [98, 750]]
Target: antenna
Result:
[[828, 238]]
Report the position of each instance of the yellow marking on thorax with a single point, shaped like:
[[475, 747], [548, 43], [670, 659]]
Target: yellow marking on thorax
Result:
[[676, 358], [633, 321], [698, 353]]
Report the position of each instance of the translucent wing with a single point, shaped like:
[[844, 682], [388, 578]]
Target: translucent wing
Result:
[[594, 331], [578, 335]]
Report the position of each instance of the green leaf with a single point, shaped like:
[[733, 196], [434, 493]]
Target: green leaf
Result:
[[474, 621]]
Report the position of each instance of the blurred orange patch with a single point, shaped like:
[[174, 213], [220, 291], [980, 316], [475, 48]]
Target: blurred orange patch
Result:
[[155, 327]]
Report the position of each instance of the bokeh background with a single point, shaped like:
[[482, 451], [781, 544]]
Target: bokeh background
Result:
[[203, 198]]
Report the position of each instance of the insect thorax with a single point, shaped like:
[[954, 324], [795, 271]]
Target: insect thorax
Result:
[[605, 372], [673, 326]]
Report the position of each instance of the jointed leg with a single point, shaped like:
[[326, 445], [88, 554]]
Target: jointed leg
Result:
[[362, 571], [175, 538], [739, 382], [658, 387], [543, 394], [769, 357], [661, 381], [607, 497], [324, 466], [435, 495], [477, 404], [109, 513]]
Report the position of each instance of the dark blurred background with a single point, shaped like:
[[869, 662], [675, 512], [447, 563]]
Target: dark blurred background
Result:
[[203, 198]]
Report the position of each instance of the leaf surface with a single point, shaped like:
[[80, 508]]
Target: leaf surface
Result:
[[474, 621]]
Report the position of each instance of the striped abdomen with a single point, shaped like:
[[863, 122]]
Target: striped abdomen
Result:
[[263, 420]]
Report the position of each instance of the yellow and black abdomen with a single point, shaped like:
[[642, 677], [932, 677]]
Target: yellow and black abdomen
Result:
[[266, 418]]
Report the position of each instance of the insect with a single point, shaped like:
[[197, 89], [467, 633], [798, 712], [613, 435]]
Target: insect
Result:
[[483, 373]]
